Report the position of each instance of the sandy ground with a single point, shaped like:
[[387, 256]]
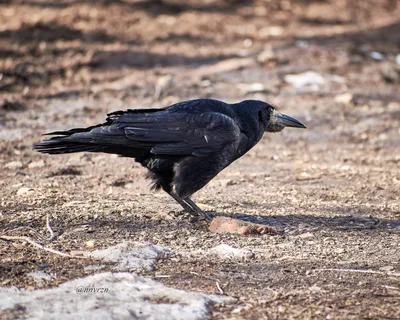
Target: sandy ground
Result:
[[332, 189]]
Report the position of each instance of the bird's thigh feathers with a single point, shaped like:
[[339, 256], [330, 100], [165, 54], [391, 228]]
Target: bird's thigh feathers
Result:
[[193, 173]]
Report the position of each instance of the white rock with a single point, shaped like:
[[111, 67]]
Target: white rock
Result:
[[266, 55], [315, 289], [131, 255], [24, 190], [111, 296], [40, 277], [301, 44], [376, 55], [247, 43], [386, 268], [206, 83], [13, 165], [306, 235], [344, 98], [225, 251], [36, 164], [253, 87], [272, 31], [305, 79], [337, 78], [256, 87]]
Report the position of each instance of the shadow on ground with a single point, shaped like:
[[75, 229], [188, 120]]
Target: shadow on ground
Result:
[[293, 221]]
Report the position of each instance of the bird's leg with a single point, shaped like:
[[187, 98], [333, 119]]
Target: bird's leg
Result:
[[195, 208], [189, 206], [182, 203]]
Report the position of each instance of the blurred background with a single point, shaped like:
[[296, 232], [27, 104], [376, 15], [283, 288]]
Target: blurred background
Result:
[[333, 64], [161, 51]]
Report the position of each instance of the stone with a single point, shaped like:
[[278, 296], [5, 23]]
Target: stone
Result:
[[111, 296], [386, 268], [376, 55], [129, 255], [390, 72], [225, 251], [306, 235], [90, 243], [266, 56], [305, 79], [252, 87], [344, 98], [13, 165], [40, 277], [24, 191], [271, 31], [36, 164], [229, 225]]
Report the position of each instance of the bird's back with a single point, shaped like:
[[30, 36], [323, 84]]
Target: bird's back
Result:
[[194, 127]]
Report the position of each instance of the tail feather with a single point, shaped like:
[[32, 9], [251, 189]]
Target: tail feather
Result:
[[106, 137], [59, 145], [83, 140]]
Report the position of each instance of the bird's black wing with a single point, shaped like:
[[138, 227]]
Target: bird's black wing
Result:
[[190, 128], [180, 133]]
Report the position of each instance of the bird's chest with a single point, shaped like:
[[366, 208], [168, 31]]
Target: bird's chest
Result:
[[249, 138]]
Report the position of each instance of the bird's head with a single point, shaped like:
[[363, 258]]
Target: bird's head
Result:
[[277, 122]]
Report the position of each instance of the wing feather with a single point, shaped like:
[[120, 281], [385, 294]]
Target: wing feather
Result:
[[182, 133]]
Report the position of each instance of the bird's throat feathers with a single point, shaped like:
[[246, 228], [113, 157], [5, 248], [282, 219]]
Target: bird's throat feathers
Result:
[[274, 123]]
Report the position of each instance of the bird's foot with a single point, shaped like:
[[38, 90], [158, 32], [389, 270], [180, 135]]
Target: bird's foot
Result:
[[191, 207]]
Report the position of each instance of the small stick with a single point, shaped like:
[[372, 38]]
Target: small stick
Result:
[[219, 288], [27, 239], [25, 227], [361, 271], [49, 228]]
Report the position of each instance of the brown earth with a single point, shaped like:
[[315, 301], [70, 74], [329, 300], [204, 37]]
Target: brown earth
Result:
[[333, 189]]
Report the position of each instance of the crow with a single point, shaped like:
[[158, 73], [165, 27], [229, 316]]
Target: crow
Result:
[[183, 146]]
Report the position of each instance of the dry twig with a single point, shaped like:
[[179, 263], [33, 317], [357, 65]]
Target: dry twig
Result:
[[49, 228], [395, 274], [38, 245], [219, 288], [37, 234]]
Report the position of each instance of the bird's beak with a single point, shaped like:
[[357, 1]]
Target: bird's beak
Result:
[[289, 121]]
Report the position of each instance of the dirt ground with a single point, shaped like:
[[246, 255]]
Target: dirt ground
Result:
[[332, 189]]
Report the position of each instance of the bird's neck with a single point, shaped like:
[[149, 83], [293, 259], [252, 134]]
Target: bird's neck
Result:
[[250, 125], [249, 121]]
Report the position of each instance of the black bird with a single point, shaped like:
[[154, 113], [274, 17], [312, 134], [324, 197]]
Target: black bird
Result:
[[183, 146]]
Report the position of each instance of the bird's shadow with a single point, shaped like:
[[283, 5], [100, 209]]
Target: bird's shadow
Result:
[[302, 222]]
